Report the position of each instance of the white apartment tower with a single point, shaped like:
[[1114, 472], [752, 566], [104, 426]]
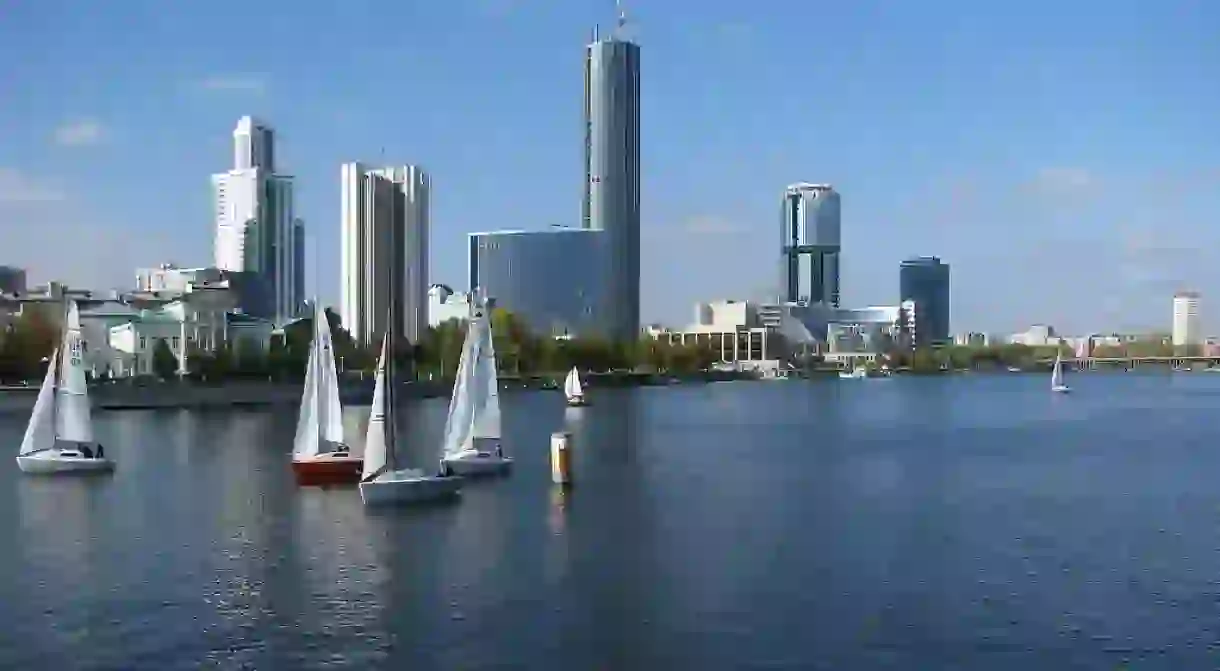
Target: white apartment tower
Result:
[[257, 232], [1186, 330], [384, 250]]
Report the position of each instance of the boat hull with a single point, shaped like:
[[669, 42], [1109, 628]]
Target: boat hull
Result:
[[473, 464], [326, 469], [577, 401], [52, 464], [406, 487], [1061, 390]]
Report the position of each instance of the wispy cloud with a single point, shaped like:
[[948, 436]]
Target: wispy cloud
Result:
[[17, 187], [1065, 181], [80, 133], [247, 83]]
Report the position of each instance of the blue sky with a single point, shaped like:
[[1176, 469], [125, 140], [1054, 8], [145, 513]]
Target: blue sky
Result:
[[1063, 157]]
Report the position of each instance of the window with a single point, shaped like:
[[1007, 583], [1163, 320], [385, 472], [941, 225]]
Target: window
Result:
[[143, 342], [174, 342]]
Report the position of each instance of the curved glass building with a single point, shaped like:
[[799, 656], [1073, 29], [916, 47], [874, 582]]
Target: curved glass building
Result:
[[550, 278]]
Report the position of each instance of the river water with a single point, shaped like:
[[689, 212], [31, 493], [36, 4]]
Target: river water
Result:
[[972, 522]]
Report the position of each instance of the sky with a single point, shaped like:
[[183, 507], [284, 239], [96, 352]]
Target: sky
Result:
[[1063, 157]]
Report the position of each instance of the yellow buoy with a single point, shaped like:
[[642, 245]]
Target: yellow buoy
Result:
[[561, 458]]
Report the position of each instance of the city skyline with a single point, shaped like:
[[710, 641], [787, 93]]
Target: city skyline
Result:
[[1007, 156]]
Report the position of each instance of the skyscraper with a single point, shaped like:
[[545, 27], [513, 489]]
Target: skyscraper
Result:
[[384, 246], [253, 145], [1186, 331], [924, 281], [612, 174], [809, 249], [256, 226]]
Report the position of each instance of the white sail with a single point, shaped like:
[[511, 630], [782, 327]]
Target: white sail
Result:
[[571, 385], [460, 421], [40, 433], [487, 382], [376, 452], [305, 444], [73, 421], [1057, 373], [321, 416], [330, 422]]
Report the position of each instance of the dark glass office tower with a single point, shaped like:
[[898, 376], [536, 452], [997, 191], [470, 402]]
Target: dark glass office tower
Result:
[[925, 281]]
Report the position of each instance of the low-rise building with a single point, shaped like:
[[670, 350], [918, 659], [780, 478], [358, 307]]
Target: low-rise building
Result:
[[444, 304], [734, 330]]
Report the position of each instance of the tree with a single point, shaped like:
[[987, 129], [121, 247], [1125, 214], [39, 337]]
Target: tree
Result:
[[164, 363]]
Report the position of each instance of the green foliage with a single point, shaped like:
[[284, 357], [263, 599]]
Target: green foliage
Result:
[[164, 363], [23, 346]]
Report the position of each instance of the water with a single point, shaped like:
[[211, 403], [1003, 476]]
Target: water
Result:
[[972, 522]]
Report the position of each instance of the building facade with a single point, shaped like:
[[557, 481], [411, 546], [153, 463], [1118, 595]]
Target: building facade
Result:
[[925, 282], [810, 223], [384, 250], [611, 200], [256, 226], [550, 278], [170, 278], [1186, 330]]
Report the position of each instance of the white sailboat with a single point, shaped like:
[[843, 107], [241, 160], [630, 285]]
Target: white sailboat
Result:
[[1057, 384], [574, 390], [319, 454], [382, 482], [59, 437], [472, 430]]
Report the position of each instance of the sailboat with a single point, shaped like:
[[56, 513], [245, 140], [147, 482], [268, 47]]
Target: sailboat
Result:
[[472, 430], [573, 390], [1057, 384], [382, 482], [319, 455], [59, 437]]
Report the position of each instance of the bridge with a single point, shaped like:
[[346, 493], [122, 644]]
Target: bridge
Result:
[[1090, 363]]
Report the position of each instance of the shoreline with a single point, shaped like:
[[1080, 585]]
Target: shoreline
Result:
[[156, 395]]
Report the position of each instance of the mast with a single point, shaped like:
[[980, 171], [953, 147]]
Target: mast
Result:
[[58, 360], [391, 417]]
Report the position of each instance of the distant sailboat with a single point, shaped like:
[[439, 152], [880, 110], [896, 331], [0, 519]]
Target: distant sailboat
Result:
[[319, 455], [382, 481], [1057, 384], [574, 390], [59, 437], [472, 430]]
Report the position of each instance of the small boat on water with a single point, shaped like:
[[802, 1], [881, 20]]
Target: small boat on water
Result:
[[383, 481], [319, 455], [59, 437], [858, 373], [471, 445], [573, 390], [1057, 384]]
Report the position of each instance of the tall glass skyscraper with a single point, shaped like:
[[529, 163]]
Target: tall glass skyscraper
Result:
[[925, 281], [809, 248], [612, 175]]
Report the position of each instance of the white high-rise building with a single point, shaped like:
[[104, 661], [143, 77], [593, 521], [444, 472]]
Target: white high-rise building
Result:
[[1186, 330], [253, 145], [384, 250], [256, 228]]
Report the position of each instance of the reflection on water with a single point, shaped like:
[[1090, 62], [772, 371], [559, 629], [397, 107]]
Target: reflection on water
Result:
[[968, 522]]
